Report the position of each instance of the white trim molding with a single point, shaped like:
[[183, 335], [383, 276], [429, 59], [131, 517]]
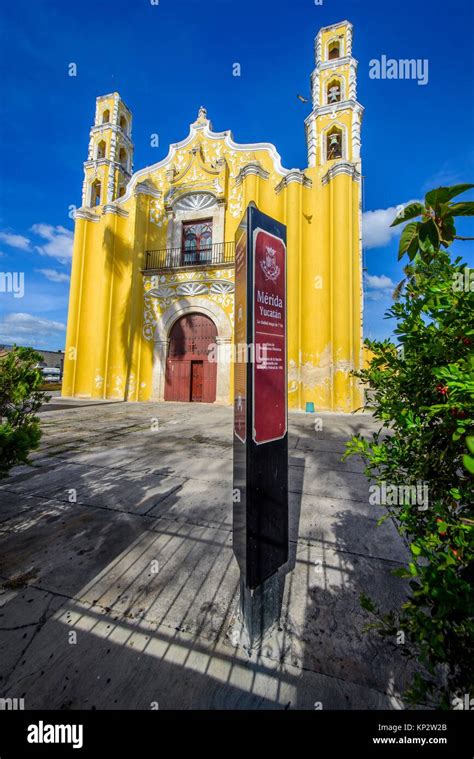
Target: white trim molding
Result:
[[113, 208], [109, 126], [204, 128], [343, 167], [142, 188], [324, 110], [86, 213], [251, 168], [294, 176]]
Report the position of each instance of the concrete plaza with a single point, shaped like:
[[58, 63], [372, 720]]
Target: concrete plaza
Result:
[[120, 588]]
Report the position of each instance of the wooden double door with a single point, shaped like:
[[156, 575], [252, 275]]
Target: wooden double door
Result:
[[190, 376]]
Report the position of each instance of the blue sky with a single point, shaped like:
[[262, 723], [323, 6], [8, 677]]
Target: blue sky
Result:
[[168, 59]]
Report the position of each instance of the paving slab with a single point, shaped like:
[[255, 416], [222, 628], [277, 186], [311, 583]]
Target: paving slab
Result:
[[162, 667], [109, 488], [64, 545], [140, 567]]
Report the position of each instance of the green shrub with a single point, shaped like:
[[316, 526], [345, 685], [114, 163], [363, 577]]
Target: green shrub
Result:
[[20, 399], [422, 390]]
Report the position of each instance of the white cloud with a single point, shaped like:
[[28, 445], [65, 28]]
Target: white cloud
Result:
[[27, 329], [375, 282], [376, 229], [15, 241], [58, 241], [378, 287], [54, 275]]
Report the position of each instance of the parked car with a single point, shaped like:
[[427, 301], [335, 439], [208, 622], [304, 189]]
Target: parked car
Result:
[[51, 374]]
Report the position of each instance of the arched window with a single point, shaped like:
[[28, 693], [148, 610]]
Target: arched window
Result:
[[334, 50], [123, 157], [106, 116], [101, 149], [95, 193], [333, 144], [197, 242], [123, 123], [333, 91]]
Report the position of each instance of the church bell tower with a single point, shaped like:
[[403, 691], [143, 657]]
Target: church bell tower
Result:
[[109, 164], [333, 126], [335, 307]]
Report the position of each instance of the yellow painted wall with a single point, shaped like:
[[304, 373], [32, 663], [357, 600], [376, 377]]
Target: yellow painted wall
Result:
[[114, 308]]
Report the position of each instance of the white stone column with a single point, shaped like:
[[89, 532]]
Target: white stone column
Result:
[[160, 353], [224, 368]]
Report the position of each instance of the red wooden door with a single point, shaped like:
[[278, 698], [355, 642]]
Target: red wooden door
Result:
[[190, 376], [197, 376]]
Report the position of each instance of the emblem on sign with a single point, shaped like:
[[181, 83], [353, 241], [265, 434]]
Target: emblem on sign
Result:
[[269, 265]]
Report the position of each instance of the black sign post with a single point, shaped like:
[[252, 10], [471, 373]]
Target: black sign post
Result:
[[260, 508]]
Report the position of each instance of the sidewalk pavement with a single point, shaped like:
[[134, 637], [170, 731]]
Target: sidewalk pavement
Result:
[[120, 588]]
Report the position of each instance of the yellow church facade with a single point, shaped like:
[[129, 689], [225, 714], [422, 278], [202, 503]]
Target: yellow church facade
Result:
[[152, 283]]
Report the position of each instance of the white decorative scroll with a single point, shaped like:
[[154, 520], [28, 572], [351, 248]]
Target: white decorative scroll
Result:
[[352, 83], [165, 291], [162, 291], [222, 288], [192, 288], [349, 40], [315, 88], [356, 136], [318, 48]]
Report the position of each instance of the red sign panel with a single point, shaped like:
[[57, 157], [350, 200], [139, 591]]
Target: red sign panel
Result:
[[240, 337], [269, 337]]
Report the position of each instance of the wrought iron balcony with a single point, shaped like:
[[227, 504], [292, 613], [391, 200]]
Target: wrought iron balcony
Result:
[[220, 253]]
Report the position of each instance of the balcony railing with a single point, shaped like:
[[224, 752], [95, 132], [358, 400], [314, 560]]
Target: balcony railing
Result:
[[175, 258]]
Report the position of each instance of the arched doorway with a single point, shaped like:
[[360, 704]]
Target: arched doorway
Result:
[[190, 376]]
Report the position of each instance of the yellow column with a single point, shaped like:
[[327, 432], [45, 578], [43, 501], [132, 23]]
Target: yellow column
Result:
[[294, 248], [104, 294], [91, 295], [75, 287], [118, 320], [357, 291], [250, 190], [316, 292], [137, 343], [342, 292]]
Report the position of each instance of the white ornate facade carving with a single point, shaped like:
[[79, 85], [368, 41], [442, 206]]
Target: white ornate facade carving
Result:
[[195, 201]]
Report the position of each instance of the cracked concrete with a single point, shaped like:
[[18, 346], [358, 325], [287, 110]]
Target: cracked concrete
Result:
[[120, 585]]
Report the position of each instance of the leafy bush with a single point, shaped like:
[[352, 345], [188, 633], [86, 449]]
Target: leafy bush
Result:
[[20, 399], [423, 392]]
